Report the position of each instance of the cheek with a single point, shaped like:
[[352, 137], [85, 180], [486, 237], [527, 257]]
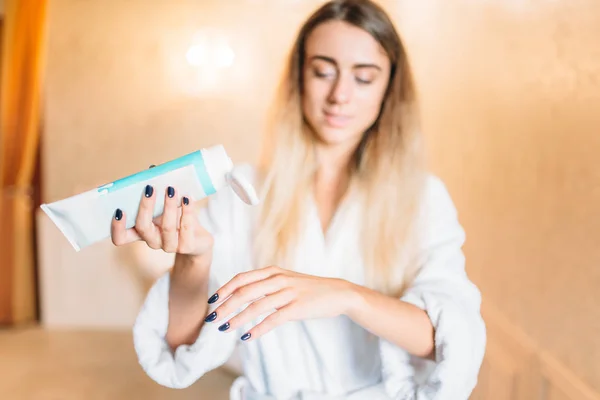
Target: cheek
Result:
[[313, 97], [370, 103]]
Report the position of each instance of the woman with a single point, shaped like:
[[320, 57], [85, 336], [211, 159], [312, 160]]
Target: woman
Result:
[[348, 282]]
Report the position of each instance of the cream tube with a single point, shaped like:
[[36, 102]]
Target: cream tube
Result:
[[85, 218]]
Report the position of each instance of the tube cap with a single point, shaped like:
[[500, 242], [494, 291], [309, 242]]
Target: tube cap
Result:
[[222, 173], [242, 188]]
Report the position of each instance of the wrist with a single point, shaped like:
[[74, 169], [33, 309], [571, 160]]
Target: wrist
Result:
[[190, 269], [352, 299], [197, 260]]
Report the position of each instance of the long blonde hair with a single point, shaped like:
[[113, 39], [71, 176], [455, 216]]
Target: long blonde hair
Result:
[[388, 164]]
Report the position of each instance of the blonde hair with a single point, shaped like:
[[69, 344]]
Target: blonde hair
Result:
[[388, 164]]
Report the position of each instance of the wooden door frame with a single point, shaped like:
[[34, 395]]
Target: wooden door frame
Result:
[[5, 273]]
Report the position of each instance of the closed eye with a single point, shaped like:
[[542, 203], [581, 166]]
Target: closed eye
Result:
[[322, 74], [363, 81]]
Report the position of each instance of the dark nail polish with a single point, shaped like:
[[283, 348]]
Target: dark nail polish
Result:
[[186, 201], [149, 191], [118, 214], [246, 336], [170, 192], [224, 327], [211, 317], [213, 298]]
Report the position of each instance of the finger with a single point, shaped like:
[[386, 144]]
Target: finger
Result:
[[247, 294], [168, 227], [119, 233], [268, 304], [143, 223], [192, 237], [158, 219], [243, 279], [274, 320]]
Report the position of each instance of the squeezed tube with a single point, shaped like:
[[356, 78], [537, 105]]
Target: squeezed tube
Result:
[[85, 219]]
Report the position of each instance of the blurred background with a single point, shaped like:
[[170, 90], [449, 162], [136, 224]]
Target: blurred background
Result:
[[94, 90]]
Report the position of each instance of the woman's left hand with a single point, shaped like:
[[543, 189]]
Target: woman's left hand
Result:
[[288, 295]]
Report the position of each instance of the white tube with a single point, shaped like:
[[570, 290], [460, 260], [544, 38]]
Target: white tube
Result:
[[85, 219]]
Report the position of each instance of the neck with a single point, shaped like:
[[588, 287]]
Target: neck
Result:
[[334, 161], [332, 180]]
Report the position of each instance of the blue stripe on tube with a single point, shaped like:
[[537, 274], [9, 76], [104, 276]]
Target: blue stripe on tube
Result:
[[194, 158]]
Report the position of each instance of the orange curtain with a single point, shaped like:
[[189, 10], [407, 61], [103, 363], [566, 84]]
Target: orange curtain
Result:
[[20, 92]]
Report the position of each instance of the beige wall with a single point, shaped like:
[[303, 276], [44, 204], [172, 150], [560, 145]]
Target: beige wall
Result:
[[511, 101], [510, 96]]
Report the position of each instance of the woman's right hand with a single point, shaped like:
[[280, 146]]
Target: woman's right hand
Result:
[[176, 231]]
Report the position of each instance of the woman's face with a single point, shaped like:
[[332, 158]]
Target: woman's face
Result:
[[346, 73]]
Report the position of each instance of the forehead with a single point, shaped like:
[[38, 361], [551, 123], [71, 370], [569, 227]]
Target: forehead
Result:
[[345, 43]]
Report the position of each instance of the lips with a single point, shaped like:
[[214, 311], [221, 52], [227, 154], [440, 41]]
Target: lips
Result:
[[336, 120]]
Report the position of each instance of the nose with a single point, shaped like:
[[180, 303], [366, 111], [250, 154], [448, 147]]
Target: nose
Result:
[[341, 91]]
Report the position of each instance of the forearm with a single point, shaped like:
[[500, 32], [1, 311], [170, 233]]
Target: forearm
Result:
[[188, 295], [398, 322]]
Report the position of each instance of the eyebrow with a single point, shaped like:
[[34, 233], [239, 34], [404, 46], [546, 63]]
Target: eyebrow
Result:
[[332, 61]]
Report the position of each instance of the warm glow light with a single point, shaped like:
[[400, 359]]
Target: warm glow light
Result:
[[210, 50], [224, 57], [195, 55]]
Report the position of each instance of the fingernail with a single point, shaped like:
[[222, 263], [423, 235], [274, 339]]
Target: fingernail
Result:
[[149, 191], [170, 192], [118, 214], [213, 298], [186, 201], [224, 327], [246, 336], [211, 317]]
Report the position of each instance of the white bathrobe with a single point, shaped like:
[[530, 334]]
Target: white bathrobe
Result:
[[329, 358]]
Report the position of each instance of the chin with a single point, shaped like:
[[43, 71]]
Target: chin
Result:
[[335, 136]]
